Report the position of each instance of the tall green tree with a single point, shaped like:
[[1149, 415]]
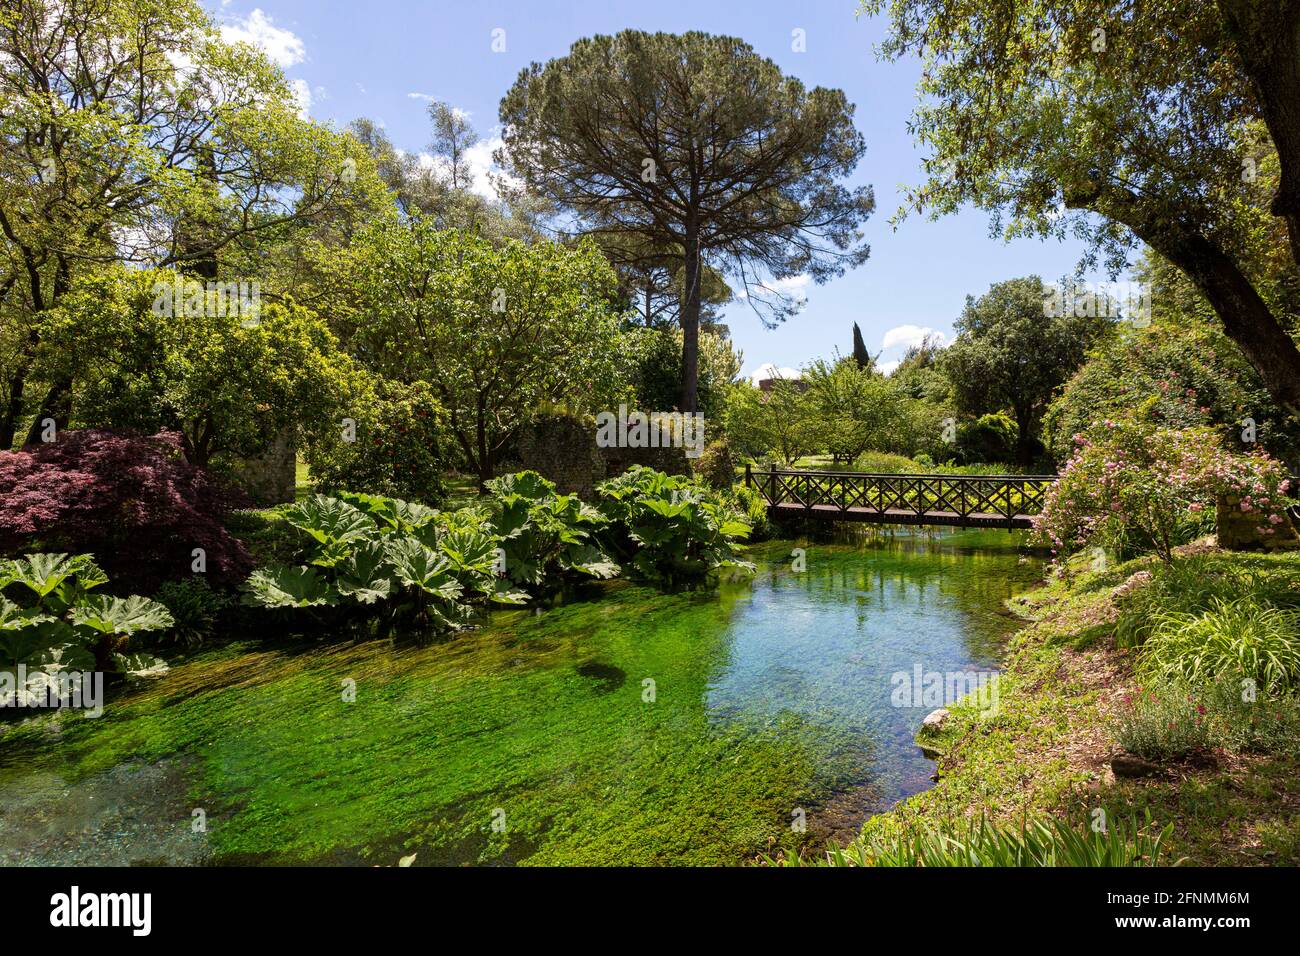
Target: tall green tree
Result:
[[228, 381], [860, 353], [853, 409], [129, 131], [1010, 353], [1168, 122], [497, 330], [780, 422], [694, 142]]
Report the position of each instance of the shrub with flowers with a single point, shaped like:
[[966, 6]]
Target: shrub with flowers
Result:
[[1172, 721], [1132, 486], [1162, 723]]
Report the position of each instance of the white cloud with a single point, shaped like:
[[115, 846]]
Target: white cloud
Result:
[[792, 286], [481, 167], [887, 368], [420, 96], [909, 335], [284, 47], [768, 370]]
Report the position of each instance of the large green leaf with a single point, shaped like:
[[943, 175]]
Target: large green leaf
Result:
[[114, 615], [46, 574], [590, 560], [15, 618], [503, 593], [468, 549], [329, 521], [418, 566], [280, 586], [140, 665], [524, 484], [365, 575], [34, 644]]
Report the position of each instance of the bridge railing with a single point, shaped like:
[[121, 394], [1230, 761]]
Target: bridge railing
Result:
[[1010, 497]]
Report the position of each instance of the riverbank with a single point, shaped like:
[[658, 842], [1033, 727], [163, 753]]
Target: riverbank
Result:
[[1046, 750]]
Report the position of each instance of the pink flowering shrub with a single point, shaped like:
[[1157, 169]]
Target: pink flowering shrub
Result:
[[132, 502], [1132, 486]]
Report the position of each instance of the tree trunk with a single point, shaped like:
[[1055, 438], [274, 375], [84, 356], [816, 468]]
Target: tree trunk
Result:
[[9, 422], [1246, 317], [690, 319], [57, 405], [485, 463], [1024, 429], [1266, 34]]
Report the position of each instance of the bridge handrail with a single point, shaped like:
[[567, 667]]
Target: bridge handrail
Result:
[[904, 474], [905, 496]]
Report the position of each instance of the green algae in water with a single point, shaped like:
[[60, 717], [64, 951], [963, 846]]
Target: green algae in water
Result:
[[637, 729]]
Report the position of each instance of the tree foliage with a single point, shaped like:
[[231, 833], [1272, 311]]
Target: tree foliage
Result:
[[1121, 122], [496, 331], [133, 503], [695, 143], [227, 380], [1011, 354], [130, 131]]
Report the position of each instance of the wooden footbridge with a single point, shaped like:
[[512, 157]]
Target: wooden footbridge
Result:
[[964, 501]]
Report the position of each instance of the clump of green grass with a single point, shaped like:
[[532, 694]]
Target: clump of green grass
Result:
[[979, 842], [1193, 584], [1245, 720], [1242, 638]]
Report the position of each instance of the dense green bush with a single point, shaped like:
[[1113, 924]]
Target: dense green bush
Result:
[[1170, 720], [195, 609], [50, 622], [1246, 720], [1194, 583], [1160, 724], [884, 463], [371, 563], [1240, 638], [655, 360], [715, 467], [988, 439], [377, 563], [1181, 375], [668, 530], [397, 448], [752, 507], [1132, 487], [547, 539]]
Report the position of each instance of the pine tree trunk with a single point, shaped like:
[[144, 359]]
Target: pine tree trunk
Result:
[[690, 319]]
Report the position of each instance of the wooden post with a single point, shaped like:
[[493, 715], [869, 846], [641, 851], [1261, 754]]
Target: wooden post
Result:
[[749, 479]]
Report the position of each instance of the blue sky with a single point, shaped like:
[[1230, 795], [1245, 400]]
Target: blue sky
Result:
[[385, 58]]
